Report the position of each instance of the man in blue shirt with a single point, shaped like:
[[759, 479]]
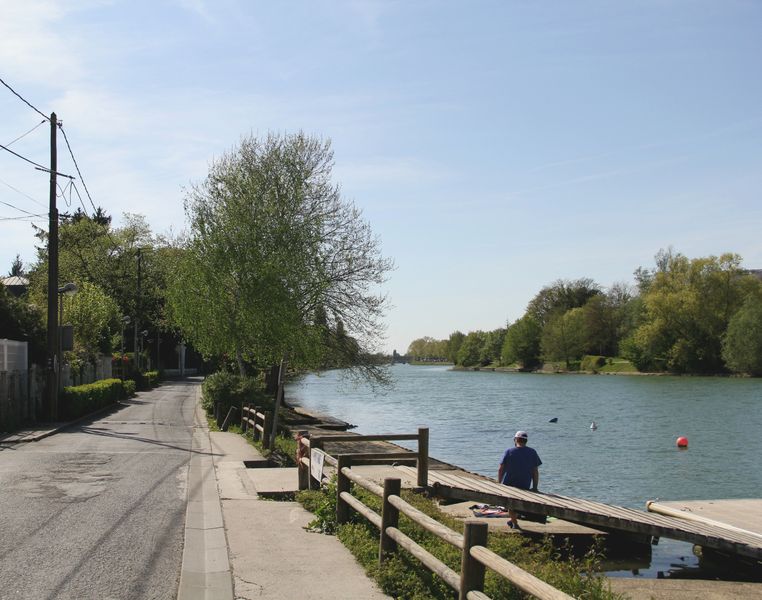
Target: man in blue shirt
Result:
[[519, 468]]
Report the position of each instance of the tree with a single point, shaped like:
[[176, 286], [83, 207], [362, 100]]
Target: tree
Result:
[[95, 317], [274, 256], [23, 322], [17, 267], [742, 344], [687, 306], [454, 342], [492, 347], [563, 337], [561, 296], [470, 352], [522, 343]]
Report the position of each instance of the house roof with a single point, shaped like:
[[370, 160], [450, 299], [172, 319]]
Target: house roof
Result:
[[15, 280]]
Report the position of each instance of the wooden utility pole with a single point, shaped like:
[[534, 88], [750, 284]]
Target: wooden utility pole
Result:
[[278, 400], [136, 352], [52, 366]]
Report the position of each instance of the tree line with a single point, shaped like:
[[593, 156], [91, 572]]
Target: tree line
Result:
[[701, 315]]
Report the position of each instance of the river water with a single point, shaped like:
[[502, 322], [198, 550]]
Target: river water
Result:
[[630, 458]]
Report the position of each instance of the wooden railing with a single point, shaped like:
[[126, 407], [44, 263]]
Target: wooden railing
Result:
[[252, 418], [475, 557], [421, 457]]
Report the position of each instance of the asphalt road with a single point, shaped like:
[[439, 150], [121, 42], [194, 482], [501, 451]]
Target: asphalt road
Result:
[[98, 510]]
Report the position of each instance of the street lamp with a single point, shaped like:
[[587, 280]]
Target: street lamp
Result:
[[125, 322], [68, 289]]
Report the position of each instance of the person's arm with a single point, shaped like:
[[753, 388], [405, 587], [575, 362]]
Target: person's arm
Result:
[[535, 478], [500, 473]]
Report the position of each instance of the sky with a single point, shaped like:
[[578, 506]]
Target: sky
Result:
[[493, 146]]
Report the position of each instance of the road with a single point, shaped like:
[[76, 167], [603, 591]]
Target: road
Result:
[[98, 510]]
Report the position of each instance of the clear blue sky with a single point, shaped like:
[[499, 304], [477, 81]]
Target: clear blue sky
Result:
[[493, 146]]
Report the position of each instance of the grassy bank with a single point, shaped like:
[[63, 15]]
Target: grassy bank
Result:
[[405, 578]]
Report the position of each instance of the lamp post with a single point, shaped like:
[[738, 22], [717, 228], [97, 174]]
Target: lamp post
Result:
[[143, 335], [125, 322], [68, 289]]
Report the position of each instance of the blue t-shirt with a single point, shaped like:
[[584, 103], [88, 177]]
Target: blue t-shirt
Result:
[[518, 464]]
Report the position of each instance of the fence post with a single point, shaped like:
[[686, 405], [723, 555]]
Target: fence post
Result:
[[390, 517], [265, 438], [314, 484], [423, 457], [302, 469], [244, 416], [342, 485], [471, 570]]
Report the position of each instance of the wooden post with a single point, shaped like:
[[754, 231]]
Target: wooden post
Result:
[[471, 570], [226, 422], [265, 439], [390, 517], [303, 470], [314, 484], [244, 416], [342, 485], [423, 457], [278, 402]]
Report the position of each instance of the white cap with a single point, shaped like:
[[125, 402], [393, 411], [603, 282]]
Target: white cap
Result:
[[521, 435]]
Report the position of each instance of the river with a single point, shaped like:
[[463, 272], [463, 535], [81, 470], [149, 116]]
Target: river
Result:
[[630, 458]]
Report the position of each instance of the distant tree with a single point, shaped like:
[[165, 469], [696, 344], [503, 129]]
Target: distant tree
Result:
[[600, 326], [522, 343], [95, 317], [17, 267], [454, 343], [687, 306], [470, 352], [561, 296], [742, 344], [563, 337], [493, 346]]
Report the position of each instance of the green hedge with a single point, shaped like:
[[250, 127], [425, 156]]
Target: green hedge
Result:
[[83, 399], [228, 389], [591, 362]]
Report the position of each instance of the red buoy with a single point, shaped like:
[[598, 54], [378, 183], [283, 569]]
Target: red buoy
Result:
[[682, 442]]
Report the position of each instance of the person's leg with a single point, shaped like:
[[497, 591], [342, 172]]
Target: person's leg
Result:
[[513, 523]]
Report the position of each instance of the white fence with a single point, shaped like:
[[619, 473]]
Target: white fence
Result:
[[13, 355]]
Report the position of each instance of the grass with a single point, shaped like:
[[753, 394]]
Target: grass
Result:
[[618, 365], [404, 577]]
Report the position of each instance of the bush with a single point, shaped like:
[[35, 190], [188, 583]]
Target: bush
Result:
[[129, 388], [591, 362], [226, 389], [83, 399]]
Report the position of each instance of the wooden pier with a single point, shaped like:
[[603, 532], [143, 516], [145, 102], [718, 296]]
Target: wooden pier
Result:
[[462, 485]]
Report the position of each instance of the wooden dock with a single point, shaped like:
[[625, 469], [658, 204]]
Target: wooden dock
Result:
[[462, 485]]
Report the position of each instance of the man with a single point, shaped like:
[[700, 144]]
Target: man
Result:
[[519, 468]]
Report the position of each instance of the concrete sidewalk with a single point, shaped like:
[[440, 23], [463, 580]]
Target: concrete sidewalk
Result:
[[269, 552]]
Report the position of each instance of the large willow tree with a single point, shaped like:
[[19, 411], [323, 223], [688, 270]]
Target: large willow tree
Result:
[[276, 259]]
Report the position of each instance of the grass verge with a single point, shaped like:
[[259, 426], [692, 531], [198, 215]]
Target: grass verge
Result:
[[405, 578]]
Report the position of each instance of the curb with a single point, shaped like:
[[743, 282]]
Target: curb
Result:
[[60, 427], [205, 572]]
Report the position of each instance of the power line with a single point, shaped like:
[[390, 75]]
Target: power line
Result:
[[25, 101], [37, 165], [23, 135], [25, 218], [76, 166], [16, 207], [22, 193]]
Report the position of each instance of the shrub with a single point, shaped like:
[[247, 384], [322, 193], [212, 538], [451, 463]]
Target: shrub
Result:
[[129, 388], [83, 399], [227, 389], [591, 362]]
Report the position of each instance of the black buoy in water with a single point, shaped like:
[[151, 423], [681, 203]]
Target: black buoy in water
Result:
[[553, 420]]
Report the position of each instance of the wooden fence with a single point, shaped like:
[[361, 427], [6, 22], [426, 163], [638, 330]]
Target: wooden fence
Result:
[[475, 556], [252, 418], [21, 397], [421, 457]]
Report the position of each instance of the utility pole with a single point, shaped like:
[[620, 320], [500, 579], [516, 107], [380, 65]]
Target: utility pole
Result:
[[52, 366], [137, 319]]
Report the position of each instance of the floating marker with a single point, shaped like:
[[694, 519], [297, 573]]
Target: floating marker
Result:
[[553, 420], [682, 442], [593, 426]]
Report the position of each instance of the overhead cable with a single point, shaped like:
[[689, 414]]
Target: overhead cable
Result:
[[27, 133], [22, 193], [16, 208], [25, 101], [76, 166]]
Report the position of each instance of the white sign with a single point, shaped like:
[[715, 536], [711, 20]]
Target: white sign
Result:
[[317, 458]]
